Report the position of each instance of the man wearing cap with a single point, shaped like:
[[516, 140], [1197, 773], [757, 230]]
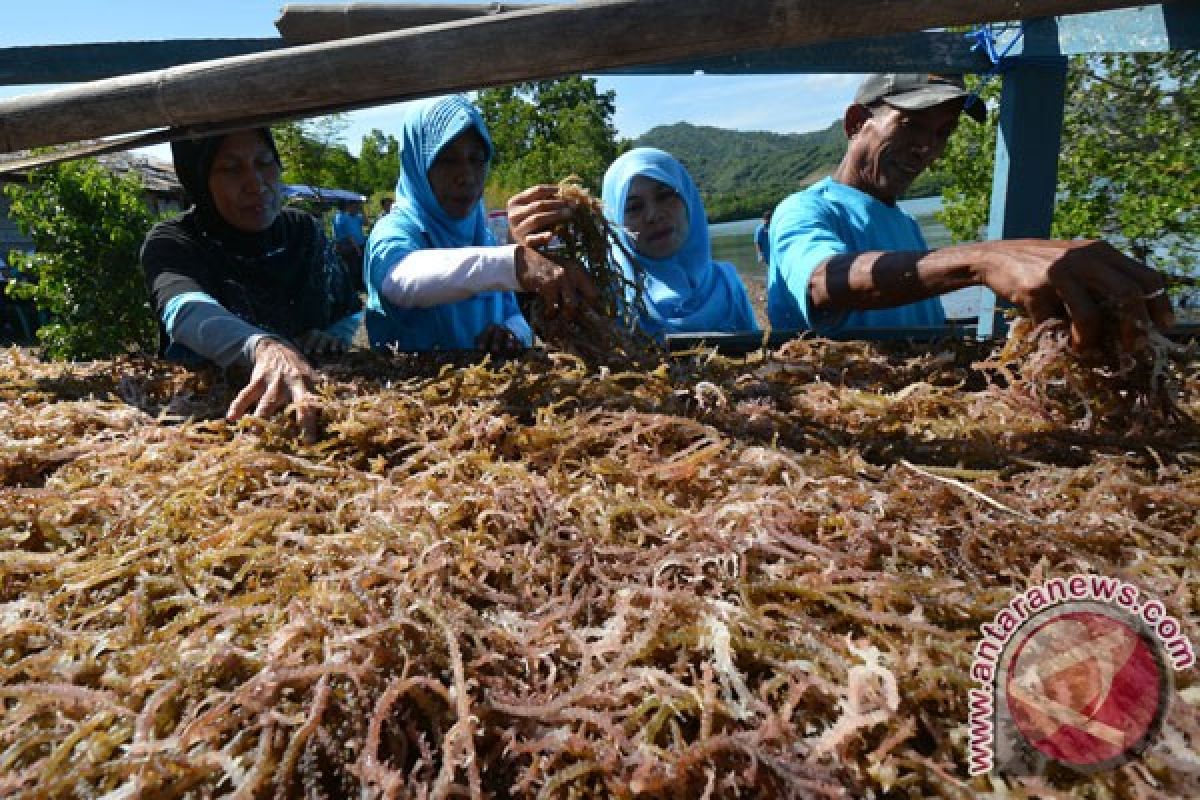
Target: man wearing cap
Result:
[[844, 255]]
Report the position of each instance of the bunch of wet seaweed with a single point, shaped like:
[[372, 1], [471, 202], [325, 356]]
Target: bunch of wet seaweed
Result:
[[1100, 390], [760, 577], [606, 332]]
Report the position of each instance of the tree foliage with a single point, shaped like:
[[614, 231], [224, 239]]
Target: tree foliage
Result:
[[314, 154], [1127, 171], [378, 163], [87, 227], [544, 131]]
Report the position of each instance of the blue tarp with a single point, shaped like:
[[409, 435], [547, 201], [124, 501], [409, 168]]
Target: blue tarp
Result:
[[321, 195]]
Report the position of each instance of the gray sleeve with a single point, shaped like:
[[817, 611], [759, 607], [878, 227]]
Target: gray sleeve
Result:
[[201, 324]]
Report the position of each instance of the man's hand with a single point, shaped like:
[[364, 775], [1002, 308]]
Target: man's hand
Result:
[[499, 341], [1088, 283], [533, 213], [281, 377], [316, 344], [563, 288], [1085, 281]]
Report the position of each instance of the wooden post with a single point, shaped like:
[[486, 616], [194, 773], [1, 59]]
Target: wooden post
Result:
[[522, 45], [1026, 170]]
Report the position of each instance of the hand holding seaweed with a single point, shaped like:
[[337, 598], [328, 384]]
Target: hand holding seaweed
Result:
[[1102, 292], [1106, 388], [560, 284], [607, 328]]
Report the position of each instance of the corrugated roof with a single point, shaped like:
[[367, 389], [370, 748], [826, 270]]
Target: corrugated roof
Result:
[[157, 175]]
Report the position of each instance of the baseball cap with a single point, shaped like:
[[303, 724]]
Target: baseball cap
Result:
[[913, 91]]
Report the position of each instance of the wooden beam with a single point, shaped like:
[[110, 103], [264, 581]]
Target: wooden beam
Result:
[[1175, 26], [905, 52], [1147, 28], [521, 45], [72, 63], [307, 23], [910, 52], [740, 344]]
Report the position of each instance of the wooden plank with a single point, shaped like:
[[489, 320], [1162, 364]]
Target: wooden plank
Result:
[[906, 52], [1150, 28], [742, 343], [745, 343], [307, 23], [522, 45], [1145, 29], [913, 52], [72, 63]]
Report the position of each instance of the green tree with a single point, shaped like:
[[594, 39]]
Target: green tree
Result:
[[378, 163], [546, 130], [87, 226], [1127, 171], [313, 153]]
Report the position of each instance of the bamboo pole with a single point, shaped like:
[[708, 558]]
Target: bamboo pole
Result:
[[306, 23], [488, 51]]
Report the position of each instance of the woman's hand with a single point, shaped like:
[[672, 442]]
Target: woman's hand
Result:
[[499, 341], [562, 287], [533, 213], [316, 344], [281, 377]]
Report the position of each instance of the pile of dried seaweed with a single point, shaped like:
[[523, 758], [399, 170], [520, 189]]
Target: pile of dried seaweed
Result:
[[717, 578]]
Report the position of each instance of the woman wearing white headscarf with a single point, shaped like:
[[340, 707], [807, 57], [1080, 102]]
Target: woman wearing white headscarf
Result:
[[436, 280]]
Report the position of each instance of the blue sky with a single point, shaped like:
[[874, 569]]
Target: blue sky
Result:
[[779, 103]]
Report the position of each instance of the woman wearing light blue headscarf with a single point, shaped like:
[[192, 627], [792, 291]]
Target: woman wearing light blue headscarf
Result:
[[436, 280], [685, 290]]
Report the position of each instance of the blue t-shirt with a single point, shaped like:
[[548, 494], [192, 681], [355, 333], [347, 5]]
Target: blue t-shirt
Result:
[[829, 219], [348, 226], [762, 239]]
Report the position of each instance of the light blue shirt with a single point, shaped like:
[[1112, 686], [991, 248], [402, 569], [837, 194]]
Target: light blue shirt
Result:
[[830, 219], [418, 222]]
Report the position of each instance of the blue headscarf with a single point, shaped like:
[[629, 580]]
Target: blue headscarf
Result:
[[418, 222], [688, 292]]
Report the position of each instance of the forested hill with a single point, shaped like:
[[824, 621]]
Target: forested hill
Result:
[[741, 173]]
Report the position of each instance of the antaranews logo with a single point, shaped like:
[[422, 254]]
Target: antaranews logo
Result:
[[1076, 672]]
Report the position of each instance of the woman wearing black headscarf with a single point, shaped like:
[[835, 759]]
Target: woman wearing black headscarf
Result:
[[237, 279]]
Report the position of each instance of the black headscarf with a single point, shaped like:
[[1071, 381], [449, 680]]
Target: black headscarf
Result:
[[193, 163], [285, 279]]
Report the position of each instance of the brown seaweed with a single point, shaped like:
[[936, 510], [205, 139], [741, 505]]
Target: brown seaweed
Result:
[[607, 332], [714, 578]]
